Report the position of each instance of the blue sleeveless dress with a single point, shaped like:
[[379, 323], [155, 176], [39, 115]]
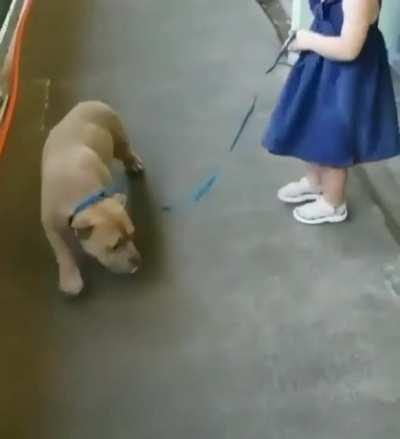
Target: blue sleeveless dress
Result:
[[335, 113]]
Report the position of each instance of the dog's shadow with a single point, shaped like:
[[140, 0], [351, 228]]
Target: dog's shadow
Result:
[[145, 214]]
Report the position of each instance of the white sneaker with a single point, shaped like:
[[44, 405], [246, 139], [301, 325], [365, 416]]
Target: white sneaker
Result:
[[299, 192], [320, 212]]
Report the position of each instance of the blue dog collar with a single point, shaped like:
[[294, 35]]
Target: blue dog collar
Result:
[[93, 199]]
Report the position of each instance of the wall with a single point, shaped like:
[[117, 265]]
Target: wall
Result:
[[389, 23]]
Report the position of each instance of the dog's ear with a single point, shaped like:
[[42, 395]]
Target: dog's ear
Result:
[[82, 225], [121, 198]]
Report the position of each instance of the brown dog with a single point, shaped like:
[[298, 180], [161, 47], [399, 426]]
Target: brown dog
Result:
[[76, 195]]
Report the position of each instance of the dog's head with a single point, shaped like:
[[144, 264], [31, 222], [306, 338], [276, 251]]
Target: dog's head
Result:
[[106, 232]]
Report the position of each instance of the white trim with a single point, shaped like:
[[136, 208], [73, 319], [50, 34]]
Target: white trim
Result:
[[12, 19], [7, 20], [4, 106], [394, 59]]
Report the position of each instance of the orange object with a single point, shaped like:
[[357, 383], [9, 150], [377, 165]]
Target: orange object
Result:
[[15, 58]]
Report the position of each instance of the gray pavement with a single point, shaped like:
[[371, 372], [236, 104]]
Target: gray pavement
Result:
[[242, 324]]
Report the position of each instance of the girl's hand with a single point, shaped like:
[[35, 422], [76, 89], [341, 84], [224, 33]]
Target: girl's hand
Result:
[[300, 43], [358, 15]]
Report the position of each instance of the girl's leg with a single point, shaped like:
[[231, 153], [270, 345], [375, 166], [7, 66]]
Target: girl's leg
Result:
[[331, 207], [305, 190], [314, 175], [334, 185]]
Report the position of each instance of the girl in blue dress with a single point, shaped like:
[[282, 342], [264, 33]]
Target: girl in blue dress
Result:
[[337, 108]]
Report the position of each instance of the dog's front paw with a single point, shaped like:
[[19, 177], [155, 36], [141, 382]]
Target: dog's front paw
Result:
[[71, 282], [134, 164]]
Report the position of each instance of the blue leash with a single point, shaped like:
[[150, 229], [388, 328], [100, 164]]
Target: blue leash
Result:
[[96, 197], [204, 187], [284, 49], [199, 192], [244, 123]]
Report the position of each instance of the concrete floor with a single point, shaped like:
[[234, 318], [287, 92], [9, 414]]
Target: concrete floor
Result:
[[242, 324]]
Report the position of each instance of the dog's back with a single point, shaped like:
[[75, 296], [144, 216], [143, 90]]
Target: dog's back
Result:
[[79, 126], [76, 151]]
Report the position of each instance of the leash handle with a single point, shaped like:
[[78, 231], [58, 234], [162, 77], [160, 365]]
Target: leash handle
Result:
[[285, 46]]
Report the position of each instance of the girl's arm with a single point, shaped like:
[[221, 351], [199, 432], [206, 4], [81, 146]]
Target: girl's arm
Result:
[[358, 15]]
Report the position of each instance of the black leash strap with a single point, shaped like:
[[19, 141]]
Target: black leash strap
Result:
[[290, 38]]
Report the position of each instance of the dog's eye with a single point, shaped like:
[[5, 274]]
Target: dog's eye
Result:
[[117, 245]]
